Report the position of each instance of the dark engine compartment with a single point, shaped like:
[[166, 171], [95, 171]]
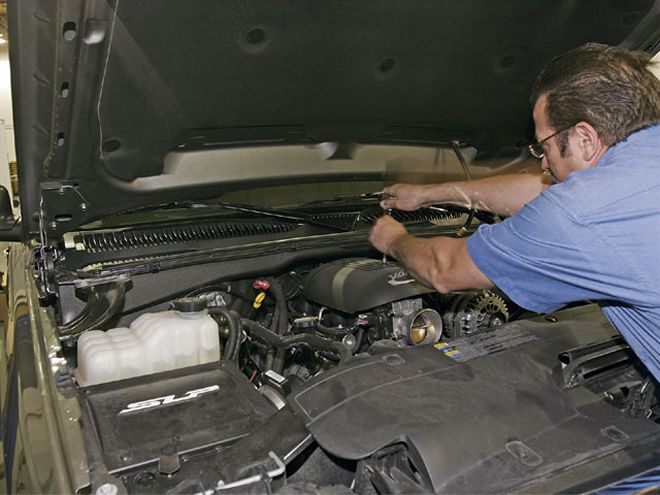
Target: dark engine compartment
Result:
[[352, 377]]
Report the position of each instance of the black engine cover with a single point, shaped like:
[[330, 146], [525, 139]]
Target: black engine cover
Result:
[[486, 414], [192, 409], [358, 284]]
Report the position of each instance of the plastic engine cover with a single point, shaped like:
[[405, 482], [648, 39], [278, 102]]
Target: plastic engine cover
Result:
[[193, 409], [358, 284], [485, 414]]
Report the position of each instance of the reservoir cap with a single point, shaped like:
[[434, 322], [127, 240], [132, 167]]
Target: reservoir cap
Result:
[[190, 304]]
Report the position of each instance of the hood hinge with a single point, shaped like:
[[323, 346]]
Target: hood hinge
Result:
[[45, 257]]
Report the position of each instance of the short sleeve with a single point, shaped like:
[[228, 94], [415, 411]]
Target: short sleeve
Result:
[[541, 257]]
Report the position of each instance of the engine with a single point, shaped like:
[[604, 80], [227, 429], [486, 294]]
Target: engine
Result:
[[394, 307], [277, 402], [296, 324]]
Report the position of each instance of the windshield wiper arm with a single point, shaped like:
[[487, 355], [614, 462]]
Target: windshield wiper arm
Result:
[[264, 212], [255, 210], [379, 195]]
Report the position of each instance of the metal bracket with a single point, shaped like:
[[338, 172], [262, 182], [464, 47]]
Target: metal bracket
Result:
[[265, 477], [582, 362], [640, 401]]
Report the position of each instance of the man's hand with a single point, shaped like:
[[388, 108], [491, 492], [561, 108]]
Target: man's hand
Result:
[[406, 197], [385, 232], [501, 194]]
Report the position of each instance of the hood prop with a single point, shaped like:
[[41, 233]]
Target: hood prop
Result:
[[103, 302], [463, 231]]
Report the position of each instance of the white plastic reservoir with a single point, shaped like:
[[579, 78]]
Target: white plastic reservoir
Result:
[[154, 342]]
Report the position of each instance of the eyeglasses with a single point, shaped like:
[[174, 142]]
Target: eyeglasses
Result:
[[536, 149]]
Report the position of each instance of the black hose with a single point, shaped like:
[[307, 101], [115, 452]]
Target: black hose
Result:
[[237, 319], [281, 316], [278, 362], [234, 324], [104, 301], [359, 335], [279, 325], [339, 350], [270, 359], [333, 331]]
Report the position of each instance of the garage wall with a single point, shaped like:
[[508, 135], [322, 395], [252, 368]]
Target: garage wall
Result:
[[5, 102], [7, 148]]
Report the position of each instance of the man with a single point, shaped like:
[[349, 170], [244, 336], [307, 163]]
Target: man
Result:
[[593, 234]]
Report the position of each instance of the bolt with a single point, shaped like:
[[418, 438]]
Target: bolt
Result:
[[145, 478], [83, 207], [125, 457], [107, 489], [53, 225]]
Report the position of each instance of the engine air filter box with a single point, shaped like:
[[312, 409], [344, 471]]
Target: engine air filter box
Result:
[[193, 409]]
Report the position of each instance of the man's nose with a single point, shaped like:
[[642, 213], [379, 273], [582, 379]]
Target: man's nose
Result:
[[544, 163]]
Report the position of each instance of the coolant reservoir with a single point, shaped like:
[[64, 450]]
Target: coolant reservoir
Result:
[[185, 336]]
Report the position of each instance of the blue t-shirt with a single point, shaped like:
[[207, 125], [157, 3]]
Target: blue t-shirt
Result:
[[595, 236]]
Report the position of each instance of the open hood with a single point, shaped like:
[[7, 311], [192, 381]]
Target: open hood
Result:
[[114, 98]]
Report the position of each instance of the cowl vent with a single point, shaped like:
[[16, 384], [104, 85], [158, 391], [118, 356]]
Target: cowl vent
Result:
[[115, 240], [163, 235], [370, 215], [418, 216]]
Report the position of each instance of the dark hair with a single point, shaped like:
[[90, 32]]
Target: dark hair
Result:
[[609, 87]]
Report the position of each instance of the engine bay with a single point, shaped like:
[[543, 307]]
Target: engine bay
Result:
[[195, 305], [297, 324], [345, 374], [263, 355]]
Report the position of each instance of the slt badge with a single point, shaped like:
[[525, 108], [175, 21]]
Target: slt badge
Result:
[[168, 399]]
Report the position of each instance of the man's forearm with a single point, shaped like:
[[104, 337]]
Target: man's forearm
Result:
[[440, 262], [503, 195]]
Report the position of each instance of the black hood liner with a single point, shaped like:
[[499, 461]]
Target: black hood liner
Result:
[[105, 89], [332, 71]]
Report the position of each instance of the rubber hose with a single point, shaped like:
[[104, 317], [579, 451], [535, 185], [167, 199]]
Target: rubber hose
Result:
[[281, 316], [333, 331], [339, 350], [233, 323], [270, 359], [280, 322], [104, 301], [237, 319]]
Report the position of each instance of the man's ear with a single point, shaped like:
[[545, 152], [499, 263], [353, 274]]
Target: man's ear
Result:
[[590, 146]]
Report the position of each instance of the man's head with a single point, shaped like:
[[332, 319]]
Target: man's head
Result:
[[599, 95]]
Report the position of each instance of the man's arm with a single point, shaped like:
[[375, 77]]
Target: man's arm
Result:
[[503, 195], [439, 262]]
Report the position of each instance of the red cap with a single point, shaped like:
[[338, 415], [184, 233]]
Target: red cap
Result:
[[261, 285]]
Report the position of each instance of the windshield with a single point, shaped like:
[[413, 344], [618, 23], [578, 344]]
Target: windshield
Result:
[[288, 178]]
